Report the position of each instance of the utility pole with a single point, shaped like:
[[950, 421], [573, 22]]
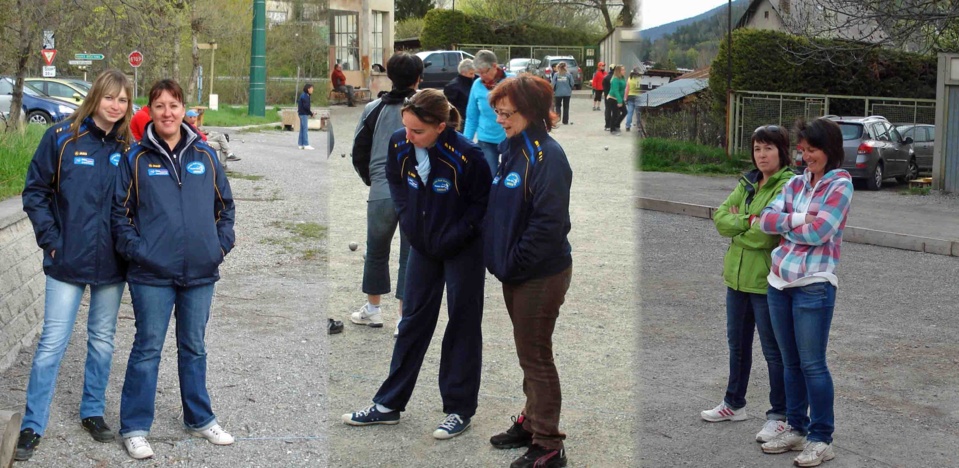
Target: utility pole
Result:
[[257, 104]]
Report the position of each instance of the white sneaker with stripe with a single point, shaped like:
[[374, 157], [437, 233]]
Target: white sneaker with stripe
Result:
[[724, 412]]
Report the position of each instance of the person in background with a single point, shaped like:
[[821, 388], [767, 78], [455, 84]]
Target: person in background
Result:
[[810, 213], [338, 80], [745, 268], [304, 112], [371, 143], [562, 82], [615, 100], [480, 118], [440, 185], [218, 141], [139, 121], [458, 89], [172, 220], [526, 247], [68, 200], [597, 84], [632, 97]]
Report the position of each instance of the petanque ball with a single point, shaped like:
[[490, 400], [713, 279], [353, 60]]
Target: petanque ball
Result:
[[353, 246], [342, 155], [606, 148]]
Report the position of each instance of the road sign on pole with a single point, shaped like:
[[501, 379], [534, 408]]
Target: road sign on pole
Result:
[[49, 72], [136, 58], [48, 55], [88, 56], [81, 62]]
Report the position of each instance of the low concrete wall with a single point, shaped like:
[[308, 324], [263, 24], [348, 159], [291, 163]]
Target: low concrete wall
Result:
[[21, 282]]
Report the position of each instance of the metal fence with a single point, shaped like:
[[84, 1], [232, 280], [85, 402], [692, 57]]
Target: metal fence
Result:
[[586, 56], [750, 109]]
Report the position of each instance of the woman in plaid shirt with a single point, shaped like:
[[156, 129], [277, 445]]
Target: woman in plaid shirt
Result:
[[810, 214]]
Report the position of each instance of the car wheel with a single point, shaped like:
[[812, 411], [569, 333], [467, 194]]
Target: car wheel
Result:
[[913, 172], [39, 117], [875, 181]]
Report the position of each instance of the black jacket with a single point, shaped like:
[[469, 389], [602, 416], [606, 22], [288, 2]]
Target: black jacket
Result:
[[363, 140], [442, 215], [527, 223], [173, 217], [457, 91], [68, 196], [303, 104]]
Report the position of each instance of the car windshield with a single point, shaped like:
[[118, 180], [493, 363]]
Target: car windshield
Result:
[[850, 131], [81, 84], [569, 62], [518, 63]]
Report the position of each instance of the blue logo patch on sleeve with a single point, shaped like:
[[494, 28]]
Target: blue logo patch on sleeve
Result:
[[81, 161], [115, 159], [512, 180], [413, 183], [157, 172], [496, 179], [196, 168], [441, 185]]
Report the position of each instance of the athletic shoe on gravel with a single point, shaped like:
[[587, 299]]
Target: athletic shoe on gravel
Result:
[[138, 447], [814, 454], [26, 444], [452, 426], [215, 434], [514, 437], [364, 317], [540, 457], [772, 429], [370, 416], [723, 412], [97, 428], [784, 442]]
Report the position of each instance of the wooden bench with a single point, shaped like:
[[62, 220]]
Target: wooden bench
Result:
[[921, 182], [359, 95]]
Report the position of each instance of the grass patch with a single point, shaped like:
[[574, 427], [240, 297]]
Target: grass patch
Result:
[[308, 233], [16, 152], [302, 231], [916, 191], [229, 116], [240, 175], [661, 155]]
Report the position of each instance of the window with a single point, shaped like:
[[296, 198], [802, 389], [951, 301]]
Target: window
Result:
[[344, 38], [766, 14], [378, 52]]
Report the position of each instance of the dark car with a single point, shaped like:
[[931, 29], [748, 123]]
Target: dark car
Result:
[[875, 151], [547, 65], [923, 138], [38, 107], [440, 66]]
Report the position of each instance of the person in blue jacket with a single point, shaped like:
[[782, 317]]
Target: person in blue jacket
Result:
[[440, 184], [304, 113], [173, 221], [480, 119], [526, 248], [67, 196]]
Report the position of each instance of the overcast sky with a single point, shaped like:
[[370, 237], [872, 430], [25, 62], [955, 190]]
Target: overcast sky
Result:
[[657, 12]]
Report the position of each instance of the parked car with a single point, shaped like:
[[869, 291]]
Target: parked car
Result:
[[440, 66], [547, 65], [923, 138], [38, 107], [519, 65], [64, 90], [874, 151]]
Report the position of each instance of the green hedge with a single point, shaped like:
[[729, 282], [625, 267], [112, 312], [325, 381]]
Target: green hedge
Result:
[[766, 61], [443, 28]]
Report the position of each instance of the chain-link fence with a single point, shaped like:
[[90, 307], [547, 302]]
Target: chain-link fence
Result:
[[586, 56]]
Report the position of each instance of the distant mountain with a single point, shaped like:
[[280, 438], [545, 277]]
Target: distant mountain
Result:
[[662, 30]]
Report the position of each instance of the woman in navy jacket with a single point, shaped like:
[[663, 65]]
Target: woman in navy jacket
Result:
[[527, 249], [68, 194], [439, 182], [173, 221]]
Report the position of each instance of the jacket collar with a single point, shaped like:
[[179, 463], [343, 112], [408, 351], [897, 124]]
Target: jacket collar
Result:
[[98, 132], [152, 141]]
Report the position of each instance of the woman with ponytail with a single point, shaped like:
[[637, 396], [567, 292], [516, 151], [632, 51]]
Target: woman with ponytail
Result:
[[440, 184]]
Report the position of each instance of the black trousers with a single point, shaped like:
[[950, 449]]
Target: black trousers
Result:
[[562, 107], [614, 114]]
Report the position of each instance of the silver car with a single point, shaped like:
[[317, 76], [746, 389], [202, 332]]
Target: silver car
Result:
[[923, 138]]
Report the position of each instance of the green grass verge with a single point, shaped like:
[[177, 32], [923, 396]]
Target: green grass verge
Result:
[[16, 152], [228, 116], [661, 155]]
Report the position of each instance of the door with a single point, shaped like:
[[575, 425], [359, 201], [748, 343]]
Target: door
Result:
[[925, 139]]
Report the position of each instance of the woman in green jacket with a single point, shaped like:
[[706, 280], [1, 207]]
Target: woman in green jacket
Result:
[[745, 268]]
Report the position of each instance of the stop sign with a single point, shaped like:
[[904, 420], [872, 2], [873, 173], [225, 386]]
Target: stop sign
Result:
[[136, 58]]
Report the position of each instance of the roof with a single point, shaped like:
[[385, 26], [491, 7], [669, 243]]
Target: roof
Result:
[[664, 73], [849, 21], [672, 91], [702, 73]]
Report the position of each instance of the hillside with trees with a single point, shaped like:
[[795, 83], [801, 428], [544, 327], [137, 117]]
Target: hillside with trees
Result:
[[692, 45]]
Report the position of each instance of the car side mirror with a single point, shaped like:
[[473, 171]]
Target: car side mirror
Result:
[[907, 141], [427, 64], [77, 97]]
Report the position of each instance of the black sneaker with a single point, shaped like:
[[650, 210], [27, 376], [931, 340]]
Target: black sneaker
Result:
[[514, 437], [540, 457], [98, 428], [334, 326], [227, 136], [26, 444]]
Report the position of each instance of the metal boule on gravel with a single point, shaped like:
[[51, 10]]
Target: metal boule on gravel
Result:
[[353, 246]]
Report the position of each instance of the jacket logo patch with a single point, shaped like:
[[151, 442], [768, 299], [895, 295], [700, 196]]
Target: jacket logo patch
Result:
[[441, 186], [115, 159], [157, 172], [512, 180], [496, 179], [81, 161], [196, 168], [79, 153], [413, 183]]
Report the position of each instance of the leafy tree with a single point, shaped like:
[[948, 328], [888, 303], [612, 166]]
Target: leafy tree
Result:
[[406, 9]]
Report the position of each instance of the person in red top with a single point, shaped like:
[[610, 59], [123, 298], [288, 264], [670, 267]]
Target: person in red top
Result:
[[139, 121], [597, 84], [339, 84]]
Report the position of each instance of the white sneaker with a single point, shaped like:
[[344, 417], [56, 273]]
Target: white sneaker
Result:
[[772, 429], [364, 317], [215, 434], [308, 147], [138, 447], [300, 147], [723, 412], [784, 442], [396, 331], [814, 453]]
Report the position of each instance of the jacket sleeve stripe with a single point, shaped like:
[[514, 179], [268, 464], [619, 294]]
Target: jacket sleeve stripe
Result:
[[216, 189], [455, 183]]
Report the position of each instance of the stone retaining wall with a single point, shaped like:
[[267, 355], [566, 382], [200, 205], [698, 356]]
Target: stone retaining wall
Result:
[[21, 282]]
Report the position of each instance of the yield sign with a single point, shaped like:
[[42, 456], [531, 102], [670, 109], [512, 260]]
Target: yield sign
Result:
[[48, 55]]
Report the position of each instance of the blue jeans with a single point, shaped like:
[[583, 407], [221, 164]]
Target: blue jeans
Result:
[[304, 139], [152, 306], [801, 318], [381, 222], [491, 153], [61, 304], [745, 311], [632, 104]]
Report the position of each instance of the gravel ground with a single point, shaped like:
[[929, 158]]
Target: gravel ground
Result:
[[892, 354], [594, 338]]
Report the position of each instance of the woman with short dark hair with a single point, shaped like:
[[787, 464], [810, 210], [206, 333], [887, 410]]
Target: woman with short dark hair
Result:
[[304, 113]]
